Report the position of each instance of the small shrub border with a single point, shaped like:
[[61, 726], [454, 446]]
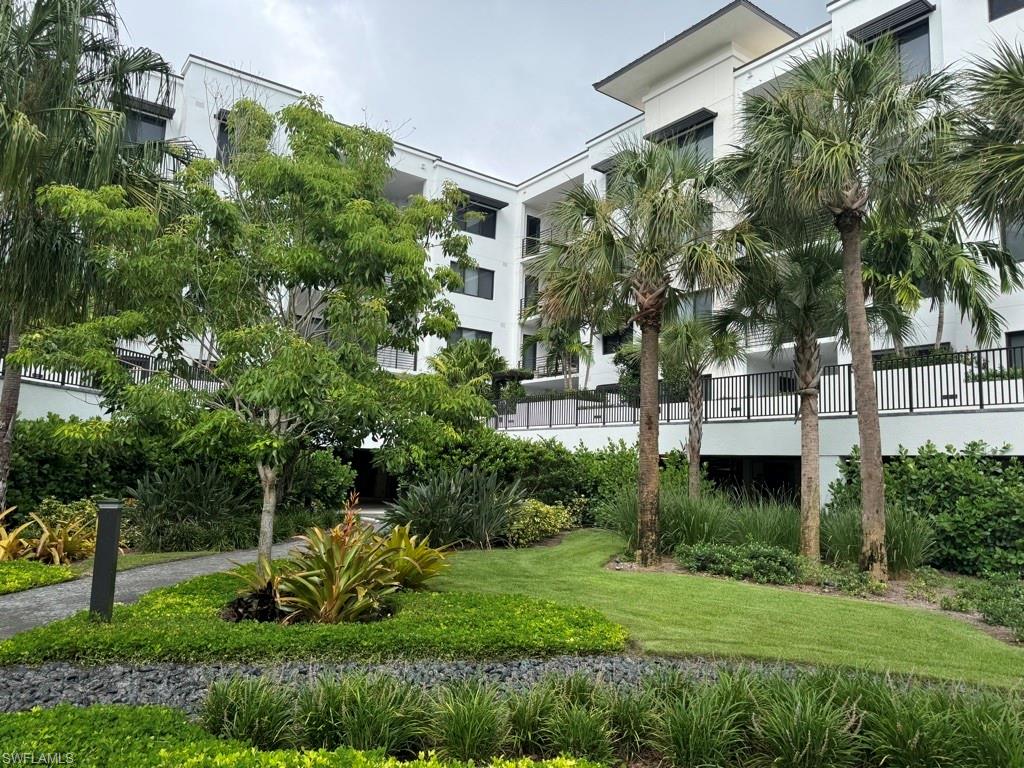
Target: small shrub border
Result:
[[183, 624], [999, 599], [751, 561], [19, 575]]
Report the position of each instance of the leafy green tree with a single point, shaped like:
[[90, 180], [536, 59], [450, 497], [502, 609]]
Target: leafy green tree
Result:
[[276, 298], [650, 240], [561, 340], [844, 136], [63, 73]]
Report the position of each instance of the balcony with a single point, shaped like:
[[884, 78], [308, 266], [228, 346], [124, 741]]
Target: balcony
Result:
[[549, 365], [396, 359], [528, 307], [532, 245]]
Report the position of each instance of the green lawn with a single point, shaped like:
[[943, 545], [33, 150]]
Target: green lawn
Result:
[[140, 559], [678, 614]]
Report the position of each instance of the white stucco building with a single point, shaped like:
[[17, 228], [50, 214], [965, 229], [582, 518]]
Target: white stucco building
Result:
[[688, 89]]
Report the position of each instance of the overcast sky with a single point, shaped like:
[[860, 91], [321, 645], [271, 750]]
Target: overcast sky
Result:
[[501, 86]]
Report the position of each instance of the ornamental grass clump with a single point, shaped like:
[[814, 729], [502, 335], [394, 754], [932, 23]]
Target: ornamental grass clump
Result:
[[469, 722], [255, 710]]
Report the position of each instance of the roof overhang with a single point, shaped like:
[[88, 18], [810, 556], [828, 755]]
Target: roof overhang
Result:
[[740, 23], [682, 125], [488, 202]]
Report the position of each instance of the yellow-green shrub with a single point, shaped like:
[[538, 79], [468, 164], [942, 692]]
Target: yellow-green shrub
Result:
[[534, 520]]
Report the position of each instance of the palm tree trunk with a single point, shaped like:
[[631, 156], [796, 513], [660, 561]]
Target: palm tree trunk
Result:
[[9, 398], [647, 519], [940, 325], [808, 371], [590, 343], [268, 481], [872, 554], [695, 435]]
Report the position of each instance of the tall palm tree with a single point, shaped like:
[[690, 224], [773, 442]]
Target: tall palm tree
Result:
[[650, 240], [690, 347], [794, 295], [844, 135], [63, 73]]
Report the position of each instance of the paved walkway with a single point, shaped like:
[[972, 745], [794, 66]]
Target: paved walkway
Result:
[[35, 607]]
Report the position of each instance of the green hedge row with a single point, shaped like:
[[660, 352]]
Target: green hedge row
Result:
[[154, 737], [182, 624]]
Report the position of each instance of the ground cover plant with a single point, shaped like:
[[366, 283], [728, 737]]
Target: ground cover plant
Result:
[[683, 614], [19, 575], [999, 599], [183, 623]]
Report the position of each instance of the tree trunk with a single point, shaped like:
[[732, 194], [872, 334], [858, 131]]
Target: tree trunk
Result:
[[9, 398], [808, 371], [268, 480], [872, 555], [940, 325], [695, 435], [647, 519], [590, 343]]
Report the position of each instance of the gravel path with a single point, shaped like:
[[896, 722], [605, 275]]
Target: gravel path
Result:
[[35, 607], [183, 686]]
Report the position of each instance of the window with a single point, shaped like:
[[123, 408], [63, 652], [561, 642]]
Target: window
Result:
[[1015, 349], [469, 334], [701, 138], [611, 342], [999, 8], [476, 281], [697, 306], [529, 354], [914, 45], [477, 219], [140, 128], [1013, 240], [223, 138]]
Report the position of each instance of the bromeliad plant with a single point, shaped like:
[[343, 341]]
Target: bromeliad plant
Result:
[[341, 574]]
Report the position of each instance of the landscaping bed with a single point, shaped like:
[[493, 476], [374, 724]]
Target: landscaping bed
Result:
[[183, 624]]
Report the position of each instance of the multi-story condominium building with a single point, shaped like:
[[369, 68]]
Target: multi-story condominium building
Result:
[[688, 89]]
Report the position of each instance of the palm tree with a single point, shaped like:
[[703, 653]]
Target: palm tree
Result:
[[470, 361], [561, 340], [650, 240], [688, 349], [794, 295], [932, 258], [843, 135], [994, 152], [63, 73]]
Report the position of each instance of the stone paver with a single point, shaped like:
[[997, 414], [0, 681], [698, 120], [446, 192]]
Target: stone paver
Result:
[[35, 607]]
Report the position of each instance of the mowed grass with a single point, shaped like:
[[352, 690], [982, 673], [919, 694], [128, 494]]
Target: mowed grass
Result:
[[679, 614]]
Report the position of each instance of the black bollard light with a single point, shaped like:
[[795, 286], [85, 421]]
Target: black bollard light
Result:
[[104, 570]]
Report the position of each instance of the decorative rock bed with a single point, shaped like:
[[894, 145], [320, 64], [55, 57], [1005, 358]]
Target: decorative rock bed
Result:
[[183, 686]]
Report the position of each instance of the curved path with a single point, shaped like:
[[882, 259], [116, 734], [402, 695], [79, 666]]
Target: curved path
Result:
[[34, 607]]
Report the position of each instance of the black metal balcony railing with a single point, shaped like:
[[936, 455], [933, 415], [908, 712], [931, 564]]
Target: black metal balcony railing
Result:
[[396, 359], [550, 365], [955, 381], [532, 244], [143, 366]]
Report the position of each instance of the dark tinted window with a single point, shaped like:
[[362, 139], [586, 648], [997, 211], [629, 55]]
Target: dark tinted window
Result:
[[997, 8], [140, 128], [701, 138], [477, 220], [611, 342], [476, 281], [698, 305], [529, 354], [915, 50], [1015, 347], [468, 333], [223, 142]]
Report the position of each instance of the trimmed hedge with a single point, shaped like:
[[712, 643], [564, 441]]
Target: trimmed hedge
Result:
[[182, 624], [19, 575], [973, 497], [155, 737]]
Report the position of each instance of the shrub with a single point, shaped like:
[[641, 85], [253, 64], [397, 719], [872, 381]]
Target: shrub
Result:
[[909, 537], [64, 533], [751, 561], [254, 710], [999, 599], [844, 577], [467, 506], [468, 722], [534, 520], [973, 498], [19, 575], [14, 542], [362, 712], [194, 507], [412, 558], [579, 730]]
